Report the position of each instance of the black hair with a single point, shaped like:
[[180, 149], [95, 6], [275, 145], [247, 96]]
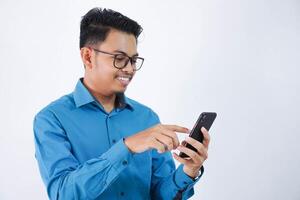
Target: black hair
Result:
[[96, 24]]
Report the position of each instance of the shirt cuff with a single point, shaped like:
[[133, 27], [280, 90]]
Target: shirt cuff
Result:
[[183, 181], [118, 155]]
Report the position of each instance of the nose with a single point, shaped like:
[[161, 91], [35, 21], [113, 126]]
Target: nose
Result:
[[129, 67]]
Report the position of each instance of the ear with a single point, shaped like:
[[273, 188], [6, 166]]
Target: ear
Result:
[[86, 54]]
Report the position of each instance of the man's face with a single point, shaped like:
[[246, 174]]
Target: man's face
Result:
[[102, 75]]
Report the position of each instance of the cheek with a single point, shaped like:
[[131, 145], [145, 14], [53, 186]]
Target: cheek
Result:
[[104, 73]]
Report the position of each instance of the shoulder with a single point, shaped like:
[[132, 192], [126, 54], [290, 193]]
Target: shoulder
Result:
[[64, 103], [139, 106], [142, 109]]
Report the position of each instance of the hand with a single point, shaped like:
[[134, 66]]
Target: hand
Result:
[[193, 163], [160, 137]]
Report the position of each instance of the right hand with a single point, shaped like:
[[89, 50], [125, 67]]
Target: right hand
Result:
[[160, 137]]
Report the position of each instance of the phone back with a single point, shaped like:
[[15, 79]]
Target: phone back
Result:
[[205, 120]]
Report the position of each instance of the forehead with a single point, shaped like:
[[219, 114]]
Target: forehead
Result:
[[119, 41]]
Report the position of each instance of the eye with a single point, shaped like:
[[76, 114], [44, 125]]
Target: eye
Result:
[[120, 58]]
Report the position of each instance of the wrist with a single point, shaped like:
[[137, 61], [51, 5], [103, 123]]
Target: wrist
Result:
[[191, 172], [127, 144]]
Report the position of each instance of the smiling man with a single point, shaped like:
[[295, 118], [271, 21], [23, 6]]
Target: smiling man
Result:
[[96, 143]]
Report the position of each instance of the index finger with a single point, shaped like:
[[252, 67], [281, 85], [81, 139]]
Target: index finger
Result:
[[176, 128], [206, 137]]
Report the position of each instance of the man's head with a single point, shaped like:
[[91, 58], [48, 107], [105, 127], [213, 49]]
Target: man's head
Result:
[[108, 46]]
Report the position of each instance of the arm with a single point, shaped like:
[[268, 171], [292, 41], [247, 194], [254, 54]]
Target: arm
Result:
[[63, 175], [167, 182]]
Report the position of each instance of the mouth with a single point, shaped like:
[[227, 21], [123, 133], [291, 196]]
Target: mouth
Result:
[[124, 79]]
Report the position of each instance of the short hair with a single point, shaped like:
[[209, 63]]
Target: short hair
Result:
[[96, 24]]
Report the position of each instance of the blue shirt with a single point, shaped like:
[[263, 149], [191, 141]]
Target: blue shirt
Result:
[[81, 153]]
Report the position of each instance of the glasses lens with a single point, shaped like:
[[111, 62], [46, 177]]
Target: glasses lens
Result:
[[137, 63], [121, 61]]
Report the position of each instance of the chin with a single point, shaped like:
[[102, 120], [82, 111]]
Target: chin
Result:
[[120, 90]]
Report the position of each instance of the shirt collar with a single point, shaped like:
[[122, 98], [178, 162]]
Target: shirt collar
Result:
[[82, 96]]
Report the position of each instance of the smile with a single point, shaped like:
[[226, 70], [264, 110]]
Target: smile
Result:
[[124, 80]]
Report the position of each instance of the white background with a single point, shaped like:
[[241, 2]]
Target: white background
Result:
[[238, 58]]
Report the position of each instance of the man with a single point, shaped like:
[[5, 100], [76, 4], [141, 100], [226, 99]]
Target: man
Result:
[[96, 143]]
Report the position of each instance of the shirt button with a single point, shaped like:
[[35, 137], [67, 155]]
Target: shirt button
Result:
[[114, 141], [124, 162], [122, 193]]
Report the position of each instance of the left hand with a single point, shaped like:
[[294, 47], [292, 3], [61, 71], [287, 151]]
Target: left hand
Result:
[[193, 163]]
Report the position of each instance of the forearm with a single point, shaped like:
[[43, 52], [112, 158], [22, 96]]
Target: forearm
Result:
[[92, 178], [169, 187]]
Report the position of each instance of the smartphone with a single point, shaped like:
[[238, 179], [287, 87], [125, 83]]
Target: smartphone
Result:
[[205, 120]]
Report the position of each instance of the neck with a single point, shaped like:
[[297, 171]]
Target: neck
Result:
[[107, 101]]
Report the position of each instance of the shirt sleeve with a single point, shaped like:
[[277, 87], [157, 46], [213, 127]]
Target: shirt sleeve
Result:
[[63, 175], [167, 182]]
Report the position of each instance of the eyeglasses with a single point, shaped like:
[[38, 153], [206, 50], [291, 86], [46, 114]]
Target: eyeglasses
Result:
[[121, 60]]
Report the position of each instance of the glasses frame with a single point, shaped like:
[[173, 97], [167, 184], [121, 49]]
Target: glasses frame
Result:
[[115, 56]]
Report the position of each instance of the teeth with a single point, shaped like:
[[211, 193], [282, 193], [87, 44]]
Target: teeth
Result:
[[123, 78]]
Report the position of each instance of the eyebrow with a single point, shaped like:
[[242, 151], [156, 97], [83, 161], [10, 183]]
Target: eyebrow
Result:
[[122, 52]]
